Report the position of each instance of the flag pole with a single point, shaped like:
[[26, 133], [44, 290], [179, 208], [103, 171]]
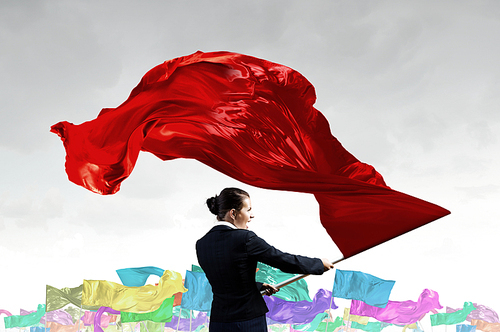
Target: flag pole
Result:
[[296, 278]]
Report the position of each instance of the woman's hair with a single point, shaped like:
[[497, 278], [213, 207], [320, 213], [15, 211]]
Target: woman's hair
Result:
[[229, 198]]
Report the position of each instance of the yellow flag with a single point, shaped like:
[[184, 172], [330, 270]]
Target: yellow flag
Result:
[[132, 299], [410, 326], [355, 318]]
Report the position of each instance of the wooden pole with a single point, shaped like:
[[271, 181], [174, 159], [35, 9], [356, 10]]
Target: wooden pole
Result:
[[295, 278]]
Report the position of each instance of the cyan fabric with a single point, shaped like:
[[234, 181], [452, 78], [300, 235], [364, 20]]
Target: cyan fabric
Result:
[[137, 276], [199, 295], [361, 286]]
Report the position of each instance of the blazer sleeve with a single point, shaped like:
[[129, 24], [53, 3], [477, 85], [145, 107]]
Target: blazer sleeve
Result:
[[260, 250]]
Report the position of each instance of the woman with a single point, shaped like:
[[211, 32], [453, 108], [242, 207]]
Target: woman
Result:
[[229, 253]]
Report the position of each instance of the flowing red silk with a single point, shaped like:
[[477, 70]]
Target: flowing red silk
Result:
[[252, 120]]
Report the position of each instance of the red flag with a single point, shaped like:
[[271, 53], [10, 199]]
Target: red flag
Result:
[[252, 120]]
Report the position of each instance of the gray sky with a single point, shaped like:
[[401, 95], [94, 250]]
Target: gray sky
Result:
[[408, 87]]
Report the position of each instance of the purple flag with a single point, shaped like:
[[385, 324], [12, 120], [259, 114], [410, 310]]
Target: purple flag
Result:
[[482, 312], [406, 312], [59, 316], [298, 312], [186, 323]]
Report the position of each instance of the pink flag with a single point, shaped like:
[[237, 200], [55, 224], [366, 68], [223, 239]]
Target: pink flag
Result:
[[402, 313]]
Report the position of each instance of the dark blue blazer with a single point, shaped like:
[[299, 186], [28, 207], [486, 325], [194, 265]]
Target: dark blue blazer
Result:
[[229, 258]]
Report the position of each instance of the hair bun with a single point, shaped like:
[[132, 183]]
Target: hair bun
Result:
[[212, 205]]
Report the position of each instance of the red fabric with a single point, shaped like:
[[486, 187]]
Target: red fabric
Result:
[[252, 120]]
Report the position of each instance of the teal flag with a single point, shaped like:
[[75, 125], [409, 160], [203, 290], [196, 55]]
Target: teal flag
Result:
[[363, 287], [297, 291], [312, 326], [196, 268], [454, 317], [25, 320], [161, 315], [137, 276]]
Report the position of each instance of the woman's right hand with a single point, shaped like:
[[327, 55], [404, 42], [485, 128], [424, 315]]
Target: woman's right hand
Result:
[[327, 265]]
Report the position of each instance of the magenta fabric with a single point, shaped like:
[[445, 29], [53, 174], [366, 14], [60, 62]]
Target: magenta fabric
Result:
[[402, 313]]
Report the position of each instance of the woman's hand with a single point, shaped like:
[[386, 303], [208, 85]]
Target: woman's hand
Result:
[[327, 265], [269, 289]]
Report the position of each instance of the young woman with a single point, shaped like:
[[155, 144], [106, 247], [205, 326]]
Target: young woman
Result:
[[229, 253]]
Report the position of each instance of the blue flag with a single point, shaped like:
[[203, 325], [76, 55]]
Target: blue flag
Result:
[[363, 287], [137, 276], [466, 328], [199, 295]]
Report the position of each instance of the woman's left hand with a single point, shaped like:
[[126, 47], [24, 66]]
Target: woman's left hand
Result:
[[269, 289]]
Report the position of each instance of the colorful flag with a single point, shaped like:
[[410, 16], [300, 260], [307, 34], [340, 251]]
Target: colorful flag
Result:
[[137, 276], [452, 318], [485, 326], [355, 318], [57, 298], [395, 312], [161, 315], [361, 286], [25, 320], [131, 299], [254, 121], [465, 328], [296, 291], [199, 295], [298, 312]]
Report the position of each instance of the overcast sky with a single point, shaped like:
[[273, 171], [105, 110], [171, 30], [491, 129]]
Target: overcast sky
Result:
[[410, 87]]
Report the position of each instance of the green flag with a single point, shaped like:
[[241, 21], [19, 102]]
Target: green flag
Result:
[[331, 325], [161, 315], [149, 326], [454, 317]]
